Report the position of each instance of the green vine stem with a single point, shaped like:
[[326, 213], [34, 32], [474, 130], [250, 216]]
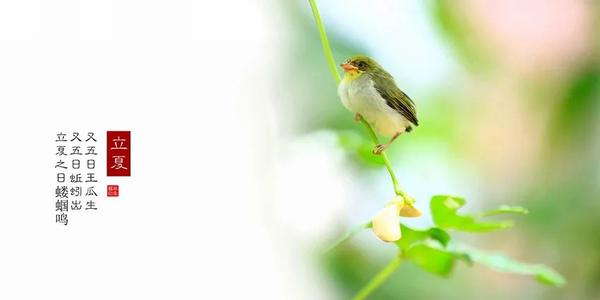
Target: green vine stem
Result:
[[337, 78], [379, 279]]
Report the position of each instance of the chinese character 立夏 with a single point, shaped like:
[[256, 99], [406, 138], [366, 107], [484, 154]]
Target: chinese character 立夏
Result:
[[60, 137], [60, 150], [119, 144], [119, 160]]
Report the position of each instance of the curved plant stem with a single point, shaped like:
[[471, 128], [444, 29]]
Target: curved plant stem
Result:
[[379, 279], [337, 78], [325, 42]]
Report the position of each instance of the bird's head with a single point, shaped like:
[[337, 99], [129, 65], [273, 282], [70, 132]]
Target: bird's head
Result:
[[360, 64]]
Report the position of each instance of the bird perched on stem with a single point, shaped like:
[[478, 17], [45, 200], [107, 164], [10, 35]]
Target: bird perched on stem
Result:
[[371, 93]]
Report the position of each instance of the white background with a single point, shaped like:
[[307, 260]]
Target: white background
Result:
[[188, 80]]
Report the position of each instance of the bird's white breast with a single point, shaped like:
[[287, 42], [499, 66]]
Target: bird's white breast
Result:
[[360, 96]]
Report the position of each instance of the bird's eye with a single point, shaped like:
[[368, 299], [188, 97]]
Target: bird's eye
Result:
[[361, 65]]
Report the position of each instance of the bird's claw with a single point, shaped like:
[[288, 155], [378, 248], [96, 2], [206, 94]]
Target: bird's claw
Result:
[[379, 149]]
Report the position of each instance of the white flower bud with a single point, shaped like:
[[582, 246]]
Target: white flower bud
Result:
[[386, 224]]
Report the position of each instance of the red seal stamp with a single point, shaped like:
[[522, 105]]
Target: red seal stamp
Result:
[[112, 190]]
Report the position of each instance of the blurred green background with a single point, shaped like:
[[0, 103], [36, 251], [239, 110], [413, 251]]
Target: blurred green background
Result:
[[507, 95]]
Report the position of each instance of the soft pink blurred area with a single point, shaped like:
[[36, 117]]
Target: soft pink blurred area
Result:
[[534, 37], [534, 47], [505, 138]]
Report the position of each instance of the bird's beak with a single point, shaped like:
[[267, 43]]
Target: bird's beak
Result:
[[348, 67]]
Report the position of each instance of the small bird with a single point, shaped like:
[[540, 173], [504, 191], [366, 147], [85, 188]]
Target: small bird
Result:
[[370, 92]]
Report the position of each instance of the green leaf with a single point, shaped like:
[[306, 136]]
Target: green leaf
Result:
[[439, 235], [431, 259], [502, 263], [444, 212], [412, 236], [426, 248], [505, 209]]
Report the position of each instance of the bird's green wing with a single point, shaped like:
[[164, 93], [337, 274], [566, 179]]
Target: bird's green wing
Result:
[[394, 97]]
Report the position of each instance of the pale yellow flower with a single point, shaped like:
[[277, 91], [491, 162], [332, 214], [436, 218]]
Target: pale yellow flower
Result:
[[386, 224]]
